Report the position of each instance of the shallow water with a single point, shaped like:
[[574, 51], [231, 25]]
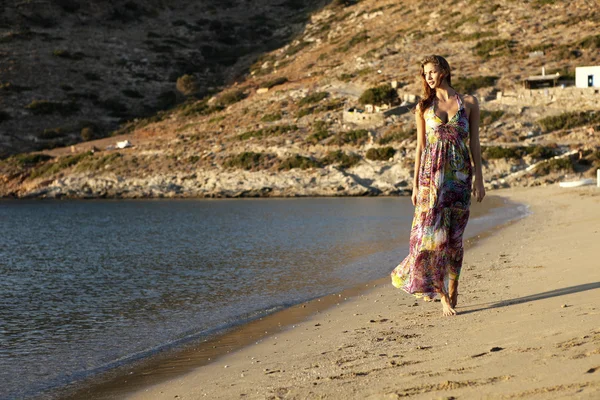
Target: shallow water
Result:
[[87, 285]]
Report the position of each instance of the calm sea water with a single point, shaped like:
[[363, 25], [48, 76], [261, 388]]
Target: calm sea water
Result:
[[87, 285]]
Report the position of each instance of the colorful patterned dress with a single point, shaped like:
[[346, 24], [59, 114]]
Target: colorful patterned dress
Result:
[[442, 209]]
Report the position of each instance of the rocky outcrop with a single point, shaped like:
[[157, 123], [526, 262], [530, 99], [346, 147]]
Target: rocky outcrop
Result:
[[363, 180]]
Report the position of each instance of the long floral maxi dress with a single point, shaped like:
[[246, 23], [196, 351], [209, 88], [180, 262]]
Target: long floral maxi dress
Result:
[[442, 209]]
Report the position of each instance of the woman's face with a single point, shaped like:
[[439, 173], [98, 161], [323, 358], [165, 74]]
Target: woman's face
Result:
[[433, 75]]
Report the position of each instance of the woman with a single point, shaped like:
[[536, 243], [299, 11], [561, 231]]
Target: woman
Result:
[[441, 187]]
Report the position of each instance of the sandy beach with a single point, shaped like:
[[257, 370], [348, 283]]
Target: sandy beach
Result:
[[528, 326]]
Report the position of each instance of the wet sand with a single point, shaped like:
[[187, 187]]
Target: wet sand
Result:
[[527, 327]]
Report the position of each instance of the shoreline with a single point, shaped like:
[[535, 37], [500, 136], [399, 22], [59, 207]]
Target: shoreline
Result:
[[178, 359], [526, 330]]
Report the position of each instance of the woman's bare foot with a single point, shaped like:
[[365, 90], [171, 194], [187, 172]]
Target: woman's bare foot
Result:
[[447, 308], [453, 292]]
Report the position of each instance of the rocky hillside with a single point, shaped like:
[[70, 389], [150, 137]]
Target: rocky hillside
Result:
[[72, 70], [276, 128]]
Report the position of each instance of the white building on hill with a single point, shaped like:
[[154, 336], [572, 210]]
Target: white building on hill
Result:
[[587, 77]]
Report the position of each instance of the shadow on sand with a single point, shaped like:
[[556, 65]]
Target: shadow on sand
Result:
[[534, 297]]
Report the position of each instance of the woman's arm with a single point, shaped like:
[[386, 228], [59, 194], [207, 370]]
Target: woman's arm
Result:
[[478, 187], [420, 122]]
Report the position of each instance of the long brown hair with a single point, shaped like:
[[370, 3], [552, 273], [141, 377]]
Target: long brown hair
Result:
[[428, 92]]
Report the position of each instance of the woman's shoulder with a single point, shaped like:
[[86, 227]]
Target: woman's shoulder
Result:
[[469, 100]]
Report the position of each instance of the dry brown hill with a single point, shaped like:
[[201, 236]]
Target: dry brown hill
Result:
[[292, 140], [67, 65]]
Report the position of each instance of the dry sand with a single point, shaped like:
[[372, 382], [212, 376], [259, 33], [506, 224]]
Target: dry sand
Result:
[[528, 326]]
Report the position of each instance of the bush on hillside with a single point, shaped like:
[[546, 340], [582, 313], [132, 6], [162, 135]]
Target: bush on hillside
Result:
[[471, 84], [274, 82], [383, 94], [340, 158], [298, 161], [380, 153], [313, 98], [187, 85], [569, 120], [248, 160]]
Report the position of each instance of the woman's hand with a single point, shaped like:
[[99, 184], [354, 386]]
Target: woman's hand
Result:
[[478, 190], [413, 197]]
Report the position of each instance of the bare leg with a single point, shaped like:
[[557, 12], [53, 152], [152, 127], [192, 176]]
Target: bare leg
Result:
[[447, 308], [453, 292]]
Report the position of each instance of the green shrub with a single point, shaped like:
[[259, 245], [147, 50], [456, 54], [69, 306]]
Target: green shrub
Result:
[[274, 82], [298, 161], [494, 47], [569, 120], [231, 97], [96, 163], [356, 39], [471, 84], [397, 136], [200, 107], [187, 85], [357, 137], [44, 107], [554, 165], [60, 164], [498, 152], [345, 77], [590, 42], [87, 133], [247, 160], [488, 117], [342, 159], [380, 154], [305, 111], [27, 160], [383, 94], [516, 152], [275, 130], [296, 48], [271, 117], [471, 36], [313, 98]]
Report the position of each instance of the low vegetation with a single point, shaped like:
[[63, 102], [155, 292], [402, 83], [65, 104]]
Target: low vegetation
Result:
[[356, 137], [554, 165], [249, 161], [493, 48], [51, 168], [271, 117], [298, 161], [341, 159], [489, 117], [471, 84], [569, 120], [383, 94], [517, 152], [313, 98], [44, 107], [397, 135], [275, 130], [274, 82], [380, 153]]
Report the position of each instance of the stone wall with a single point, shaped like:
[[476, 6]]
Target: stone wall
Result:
[[556, 97]]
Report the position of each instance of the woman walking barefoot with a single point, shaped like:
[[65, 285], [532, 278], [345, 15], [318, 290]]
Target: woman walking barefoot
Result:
[[442, 185]]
